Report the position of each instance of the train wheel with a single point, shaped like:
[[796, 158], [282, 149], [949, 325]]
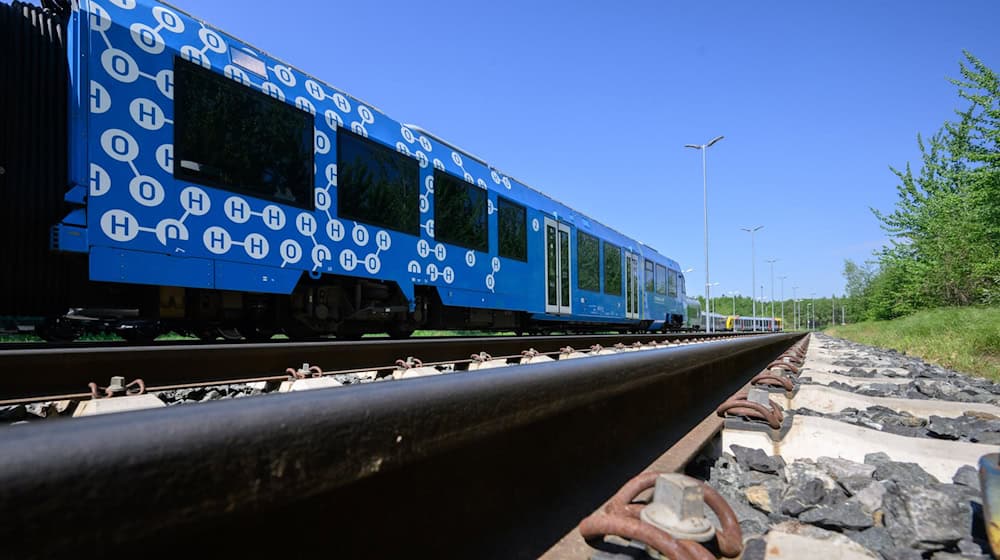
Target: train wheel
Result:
[[257, 334], [400, 331], [208, 335], [230, 334], [57, 331], [138, 332]]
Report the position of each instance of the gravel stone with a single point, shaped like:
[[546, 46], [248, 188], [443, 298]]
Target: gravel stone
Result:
[[925, 517], [765, 497], [754, 549], [843, 468], [804, 470], [967, 476], [908, 474], [846, 515], [877, 458], [756, 459], [871, 497], [972, 548], [854, 484], [903, 553], [876, 539], [805, 496]]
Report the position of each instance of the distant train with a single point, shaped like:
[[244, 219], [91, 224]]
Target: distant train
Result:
[[697, 320], [163, 175]]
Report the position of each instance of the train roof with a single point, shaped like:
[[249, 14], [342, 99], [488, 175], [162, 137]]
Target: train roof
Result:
[[458, 166]]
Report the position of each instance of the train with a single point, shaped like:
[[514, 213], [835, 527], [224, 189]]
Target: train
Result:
[[698, 320], [164, 175]]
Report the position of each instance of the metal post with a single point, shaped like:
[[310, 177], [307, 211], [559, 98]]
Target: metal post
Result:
[[795, 300], [704, 184], [771, 262], [782, 278], [753, 269]]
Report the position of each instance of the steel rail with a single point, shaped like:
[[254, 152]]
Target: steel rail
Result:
[[158, 475], [67, 370]]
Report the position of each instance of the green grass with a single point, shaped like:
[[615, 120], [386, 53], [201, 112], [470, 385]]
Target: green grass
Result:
[[966, 339]]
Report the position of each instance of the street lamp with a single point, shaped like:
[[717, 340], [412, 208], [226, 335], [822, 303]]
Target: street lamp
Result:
[[782, 278], [771, 262], [704, 185], [795, 310], [753, 267], [812, 310]]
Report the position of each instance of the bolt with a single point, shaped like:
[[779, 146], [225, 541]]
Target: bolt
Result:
[[117, 385], [759, 396], [678, 508]]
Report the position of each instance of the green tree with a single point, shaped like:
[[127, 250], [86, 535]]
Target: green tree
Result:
[[945, 227]]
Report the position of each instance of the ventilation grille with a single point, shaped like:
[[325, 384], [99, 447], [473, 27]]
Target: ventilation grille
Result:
[[33, 155]]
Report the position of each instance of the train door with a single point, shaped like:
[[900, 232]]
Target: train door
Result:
[[631, 285], [557, 269]]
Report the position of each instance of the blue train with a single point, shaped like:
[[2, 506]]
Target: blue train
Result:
[[185, 180]]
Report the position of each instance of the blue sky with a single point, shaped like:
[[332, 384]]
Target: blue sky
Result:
[[592, 103]]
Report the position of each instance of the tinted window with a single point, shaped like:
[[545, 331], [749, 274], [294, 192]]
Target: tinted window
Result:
[[588, 262], [672, 285], [459, 212], [649, 276], [376, 184], [512, 230], [661, 279], [612, 269], [230, 136]]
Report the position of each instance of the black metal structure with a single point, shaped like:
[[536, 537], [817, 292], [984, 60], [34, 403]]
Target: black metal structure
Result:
[[67, 369], [490, 464]]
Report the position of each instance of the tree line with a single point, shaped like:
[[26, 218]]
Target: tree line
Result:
[[945, 227], [819, 310]]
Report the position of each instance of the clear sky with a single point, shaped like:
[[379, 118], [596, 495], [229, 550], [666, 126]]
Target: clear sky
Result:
[[592, 103]]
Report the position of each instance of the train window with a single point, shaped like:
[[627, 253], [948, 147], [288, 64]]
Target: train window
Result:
[[588, 259], [681, 287], [661, 279], [649, 276], [612, 269], [460, 212], [672, 284], [512, 229], [376, 184], [230, 136]]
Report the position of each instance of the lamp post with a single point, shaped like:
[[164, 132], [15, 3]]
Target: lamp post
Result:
[[812, 310], [782, 278], [704, 185], [708, 302], [795, 309], [734, 294], [771, 262], [753, 268]]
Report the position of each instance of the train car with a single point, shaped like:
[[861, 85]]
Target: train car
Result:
[[694, 319], [717, 320], [169, 176], [739, 323]]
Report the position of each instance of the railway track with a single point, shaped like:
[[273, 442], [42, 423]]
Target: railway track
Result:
[[64, 371], [497, 464]]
